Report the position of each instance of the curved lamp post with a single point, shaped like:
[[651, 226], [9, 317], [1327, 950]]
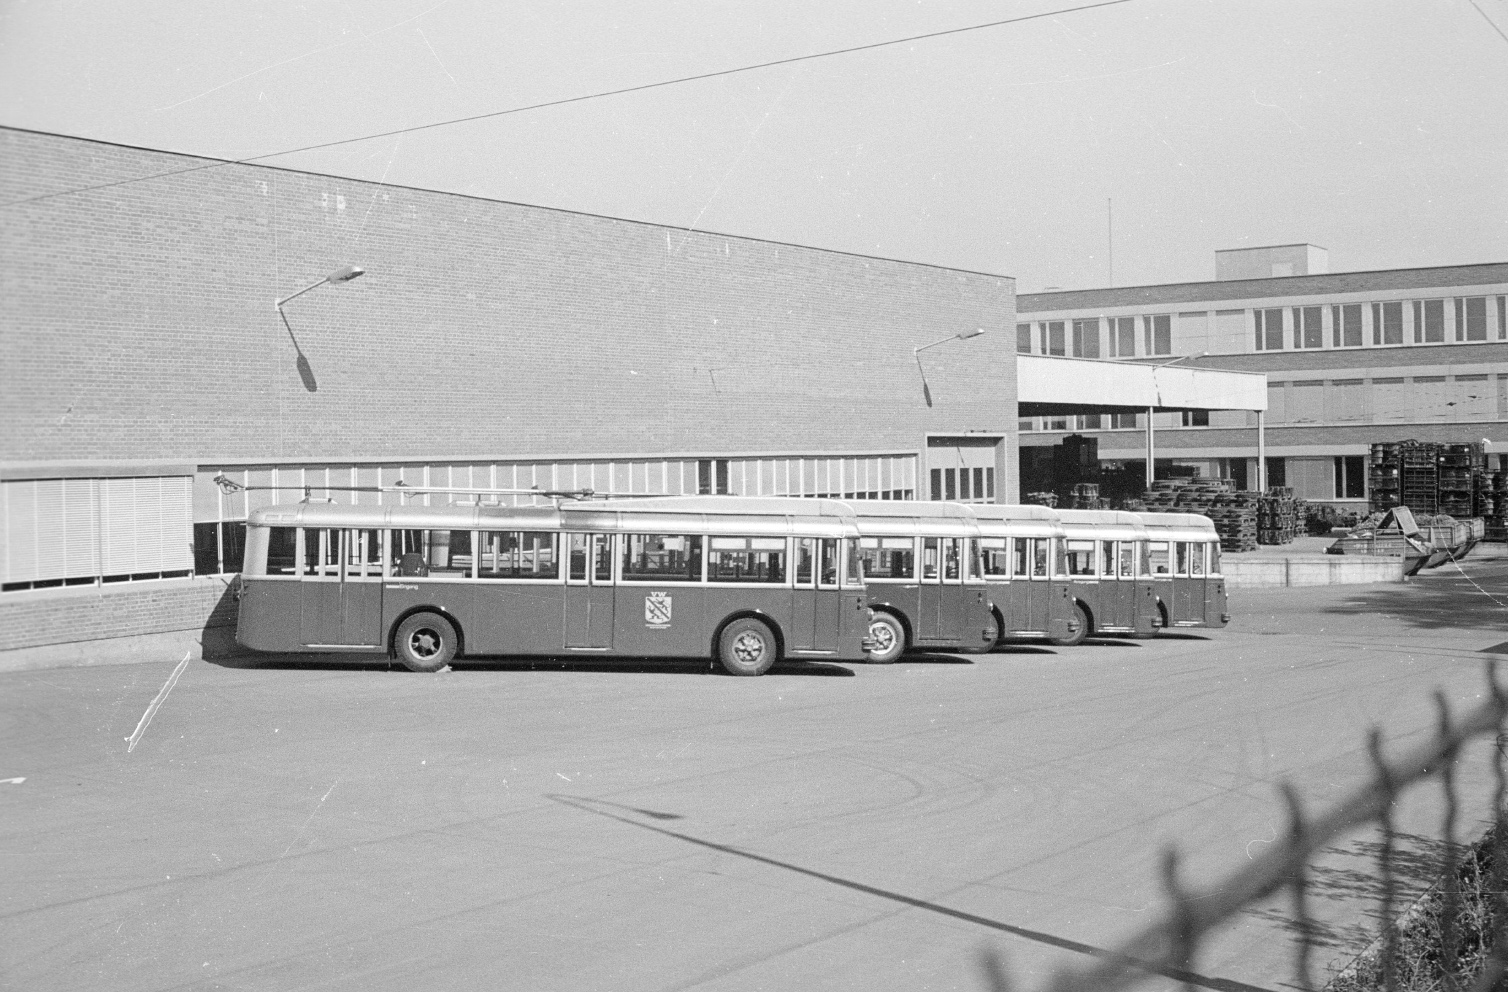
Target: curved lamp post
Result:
[[343, 274], [916, 353]]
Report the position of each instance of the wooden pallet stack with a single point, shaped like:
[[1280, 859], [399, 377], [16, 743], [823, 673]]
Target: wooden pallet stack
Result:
[[1383, 479], [1086, 496], [1233, 513], [1458, 467], [1277, 516]]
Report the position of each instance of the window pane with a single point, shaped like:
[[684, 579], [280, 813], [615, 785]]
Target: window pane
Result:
[[1107, 559], [1055, 337], [1314, 333], [1392, 323], [528, 555], [829, 574], [996, 555], [1351, 325], [1040, 551], [1157, 557], [1024, 339], [1476, 318], [1434, 321], [930, 556], [806, 560], [662, 558], [888, 557], [1080, 557], [952, 557], [746, 559]]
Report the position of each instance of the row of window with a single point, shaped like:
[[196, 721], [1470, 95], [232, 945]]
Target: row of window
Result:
[[1461, 319], [359, 553]]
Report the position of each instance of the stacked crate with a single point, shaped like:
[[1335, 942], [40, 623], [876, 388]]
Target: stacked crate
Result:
[[1497, 520], [1086, 496], [1233, 513], [1419, 476], [1042, 499], [1277, 516], [1383, 476], [1457, 466]]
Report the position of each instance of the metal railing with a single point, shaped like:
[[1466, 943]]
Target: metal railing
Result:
[[1168, 947]]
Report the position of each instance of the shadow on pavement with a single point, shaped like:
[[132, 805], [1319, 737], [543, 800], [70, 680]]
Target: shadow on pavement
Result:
[[377, 663], [932, 658], [1439, 600]]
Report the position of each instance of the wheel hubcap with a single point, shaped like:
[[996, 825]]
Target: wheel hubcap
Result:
[[883, 636], [748, 647], [424, 643]]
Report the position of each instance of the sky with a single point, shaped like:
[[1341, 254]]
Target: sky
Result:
[[1119, 145]]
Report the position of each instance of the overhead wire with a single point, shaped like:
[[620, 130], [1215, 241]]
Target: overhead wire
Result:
[[575, 99]]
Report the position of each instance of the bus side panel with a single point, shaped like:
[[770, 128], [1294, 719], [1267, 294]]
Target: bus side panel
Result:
[[661, 621], [454, 599], [514, 618], [901, 598], [1216, 607], [269, 614], [775, 603]]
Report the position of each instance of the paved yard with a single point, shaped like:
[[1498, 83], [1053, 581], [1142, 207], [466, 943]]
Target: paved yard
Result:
[[282, 826]]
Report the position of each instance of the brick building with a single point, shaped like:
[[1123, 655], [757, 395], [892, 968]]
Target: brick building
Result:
[[1351, 358], [490, 344]]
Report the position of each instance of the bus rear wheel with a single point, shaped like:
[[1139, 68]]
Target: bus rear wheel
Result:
[[1080, 622], [887, 639], [746, 647], [426, 642]]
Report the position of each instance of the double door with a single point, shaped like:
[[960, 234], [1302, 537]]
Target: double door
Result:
[[815, 599], [340, 574], [589, 595]]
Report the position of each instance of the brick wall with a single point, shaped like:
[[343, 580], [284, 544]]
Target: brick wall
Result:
[[63, 616], [139, 323]]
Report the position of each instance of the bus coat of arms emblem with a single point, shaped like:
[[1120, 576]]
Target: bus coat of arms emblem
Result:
[[657, 610]]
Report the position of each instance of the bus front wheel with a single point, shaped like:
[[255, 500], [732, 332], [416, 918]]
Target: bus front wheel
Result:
[[887, 639], [426, 642], [746, 647], [1078, 622]]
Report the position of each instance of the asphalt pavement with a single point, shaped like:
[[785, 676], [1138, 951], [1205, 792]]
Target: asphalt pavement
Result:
[[273, 824]]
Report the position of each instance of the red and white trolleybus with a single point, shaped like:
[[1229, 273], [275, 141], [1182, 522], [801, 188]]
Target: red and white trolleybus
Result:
[[746, 581]]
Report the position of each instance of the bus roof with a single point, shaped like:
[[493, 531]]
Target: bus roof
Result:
[[679, 514], [1103, 525], [1178, 526], [924, 518], [1016, 520]]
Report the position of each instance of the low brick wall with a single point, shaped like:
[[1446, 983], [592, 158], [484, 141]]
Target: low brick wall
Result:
[[49, 618], [1310, 570]]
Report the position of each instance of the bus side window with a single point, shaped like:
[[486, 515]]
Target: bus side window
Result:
[[1107, 559], [952, 558], [1196, 559], [1181, 563], [1080, 558], [1215, 558], [1041, 549], [829, 574], [806, 557], [603, 543], [1020, 557], [1157, 556], [853, 574], [282, 550], [1128, 559], [929, 557], [321, 551], [579, 545], [997, 557]]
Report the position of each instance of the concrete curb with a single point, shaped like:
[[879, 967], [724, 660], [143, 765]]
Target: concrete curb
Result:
[[210, 642], [1311, 570]]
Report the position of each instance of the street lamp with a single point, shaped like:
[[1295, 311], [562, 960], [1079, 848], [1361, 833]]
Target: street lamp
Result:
[[343, 274], [1151, 454], [916, 353]]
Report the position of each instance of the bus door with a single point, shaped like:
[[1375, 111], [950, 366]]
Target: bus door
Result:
[[1031, 591], [1200, 586], [341, 583], [941, 611], [1118, 584], [814, 600], [589, 592], [1188, 581]]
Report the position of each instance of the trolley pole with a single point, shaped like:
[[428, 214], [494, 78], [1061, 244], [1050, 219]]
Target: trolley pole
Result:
[[1261, 453]]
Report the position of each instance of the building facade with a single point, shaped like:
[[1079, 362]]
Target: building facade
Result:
[[1351, 358], [489, 345]]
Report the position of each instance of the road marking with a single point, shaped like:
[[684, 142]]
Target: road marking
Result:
[[301, 830], [12, 781], [146, 717]]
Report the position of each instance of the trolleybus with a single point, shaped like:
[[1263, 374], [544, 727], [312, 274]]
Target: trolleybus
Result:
[[745, 581], [1183, 553], [1021, 551], [1105, 553], [922, 573]]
